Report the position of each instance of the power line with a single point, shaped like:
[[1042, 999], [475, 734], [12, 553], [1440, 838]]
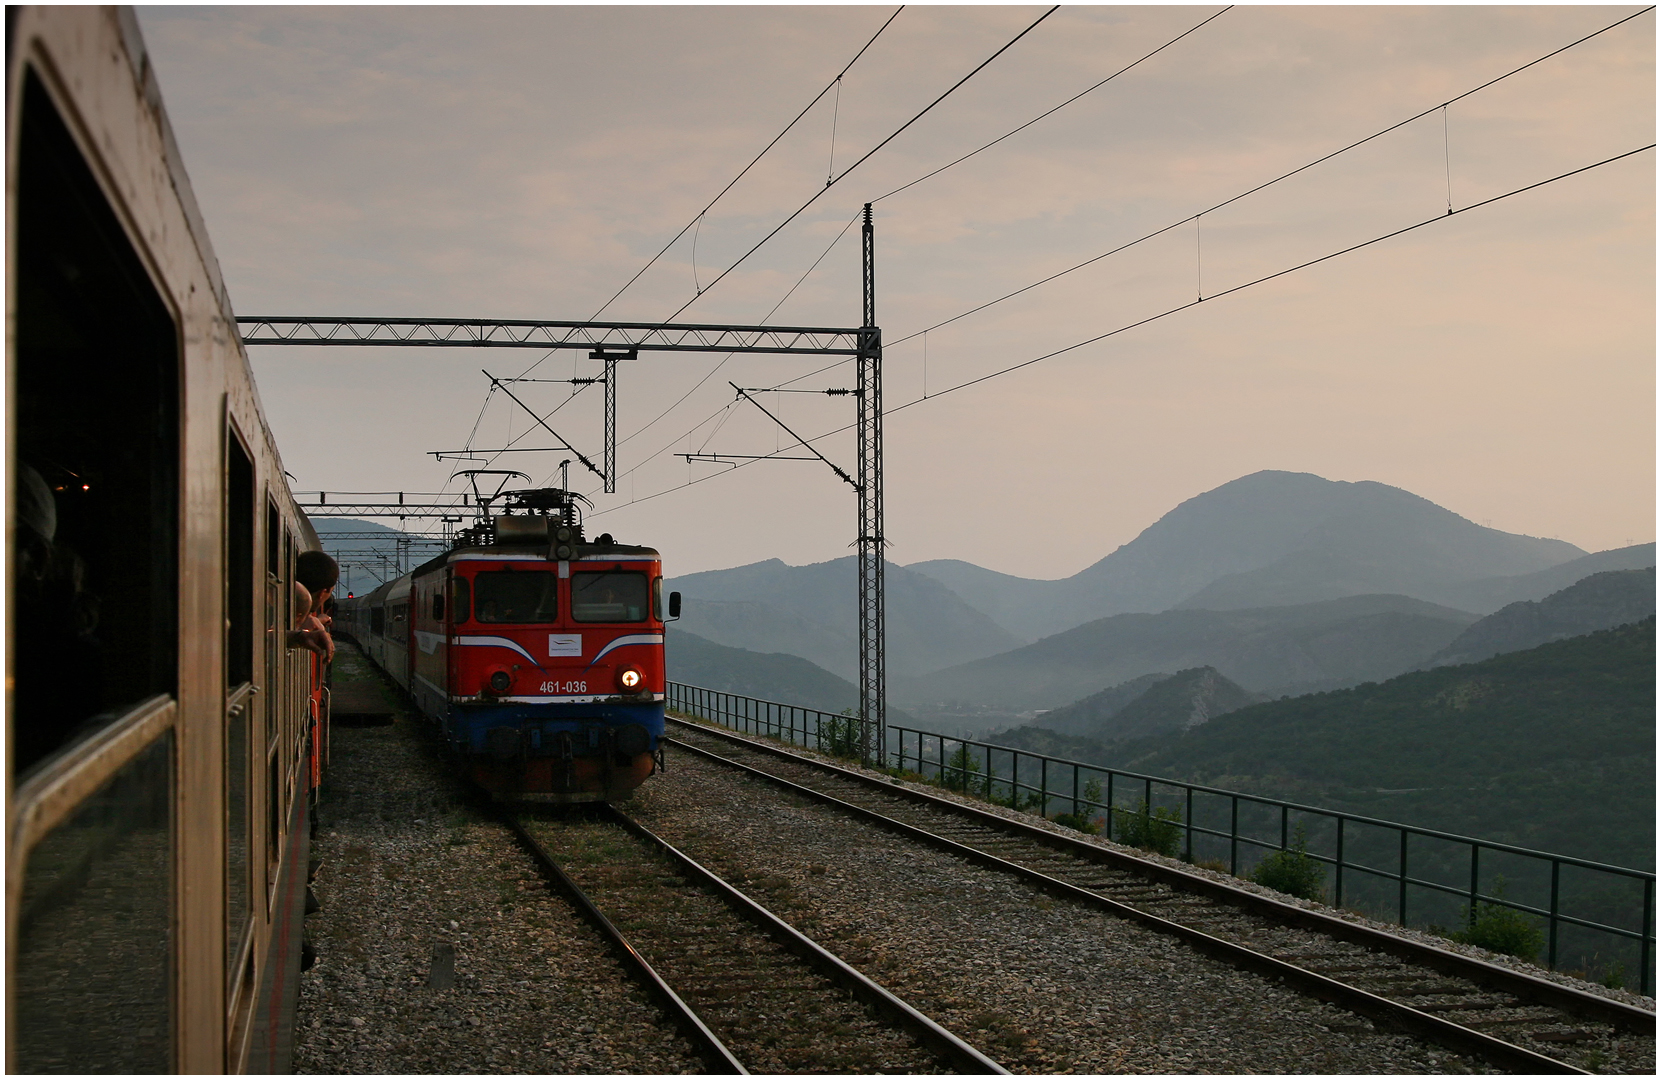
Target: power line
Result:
[[1270, 277], [1057, 108], [829, 183], [711, 374], [787, 128], [1440, 217], [1176, 224], [866, 156], [1268, 183], [699, 216]]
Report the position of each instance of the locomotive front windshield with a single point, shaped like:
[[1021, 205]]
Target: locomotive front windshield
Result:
[[516, 596], [609, 596]]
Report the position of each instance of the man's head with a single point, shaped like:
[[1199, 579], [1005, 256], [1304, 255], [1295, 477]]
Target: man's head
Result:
[[316, 571]]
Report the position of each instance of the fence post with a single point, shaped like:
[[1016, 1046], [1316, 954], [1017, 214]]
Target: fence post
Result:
[[1551, 945], [1044, 787], [1188, 821], [1283, 833], [1646, 984], [1470, 915], [1338, 870], [1109, 814], [1234, 835], [1401, 900], [1075, 794]]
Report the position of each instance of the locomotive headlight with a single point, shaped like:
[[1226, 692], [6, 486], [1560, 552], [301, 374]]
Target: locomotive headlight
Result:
[[629, 679], [500, 681]]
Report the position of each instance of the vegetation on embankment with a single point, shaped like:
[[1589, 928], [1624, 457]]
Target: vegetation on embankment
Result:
[[1551, 748]]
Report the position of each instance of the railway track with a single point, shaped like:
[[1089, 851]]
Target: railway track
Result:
[[748, 990], [1511, 1020]]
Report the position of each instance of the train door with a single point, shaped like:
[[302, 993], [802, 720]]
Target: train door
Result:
[[94, 915]]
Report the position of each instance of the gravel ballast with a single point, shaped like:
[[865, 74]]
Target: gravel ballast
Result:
[[1037, 984], [410, 874]]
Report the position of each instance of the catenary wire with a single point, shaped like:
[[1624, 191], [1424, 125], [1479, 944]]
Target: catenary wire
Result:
[[1186, 219], [1056, 109], [1268, 183], [829, 183], [1441, 217], [787, 129], [938, 171], [863, 158], [642, 430], [838, 178], [655, 454], [730, 184]]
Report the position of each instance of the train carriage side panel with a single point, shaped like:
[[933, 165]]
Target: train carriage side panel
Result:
[[396, 636], [138, 452]]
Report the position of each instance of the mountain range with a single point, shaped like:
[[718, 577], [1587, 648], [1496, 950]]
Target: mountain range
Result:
[[1597, 602], [810, 611], [1264, 540], [1276, 650]]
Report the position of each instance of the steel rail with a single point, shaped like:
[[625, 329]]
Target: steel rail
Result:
[[1530, 987], [1451, 1035], [705, 1041], [927, 1031]]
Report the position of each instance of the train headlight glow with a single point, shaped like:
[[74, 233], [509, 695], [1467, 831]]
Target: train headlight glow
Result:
[[629, 679]]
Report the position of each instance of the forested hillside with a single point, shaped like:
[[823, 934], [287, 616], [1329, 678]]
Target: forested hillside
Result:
[[1550, 748]]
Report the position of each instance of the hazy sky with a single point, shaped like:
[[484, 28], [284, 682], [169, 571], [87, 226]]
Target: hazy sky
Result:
[[525, 162]]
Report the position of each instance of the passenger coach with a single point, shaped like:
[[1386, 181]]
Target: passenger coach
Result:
[[162, 740]]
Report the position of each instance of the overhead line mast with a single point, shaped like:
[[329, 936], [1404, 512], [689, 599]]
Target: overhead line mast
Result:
[[873, 666]]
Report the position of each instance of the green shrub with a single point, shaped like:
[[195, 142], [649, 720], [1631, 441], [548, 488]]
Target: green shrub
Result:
[[1157, 830], [839, 736], [1502, 930], [1293, 871], [1615, 977], [1082, 822], [962, 771], [1083, 817]]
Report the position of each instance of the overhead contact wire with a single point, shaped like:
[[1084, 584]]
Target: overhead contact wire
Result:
[[865, 157], [1058, 108], [1284, 176], [1195, 217], [829, 183], [642, 430], [1172, 311], [742, 173]]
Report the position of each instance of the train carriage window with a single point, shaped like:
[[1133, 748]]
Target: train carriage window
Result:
[[240, 516], [438, 604], [96, 467], [377, 620], [516, 596], [95, 931], [460, 599], [240, 509], [609, 596]]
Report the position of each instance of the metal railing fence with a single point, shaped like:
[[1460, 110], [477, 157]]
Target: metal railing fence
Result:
[[1375, 864]]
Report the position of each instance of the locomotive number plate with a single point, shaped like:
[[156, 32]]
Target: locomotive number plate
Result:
[[576, 686], [565, 644]]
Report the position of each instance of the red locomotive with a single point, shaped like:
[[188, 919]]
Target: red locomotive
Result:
[[539, 653]]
